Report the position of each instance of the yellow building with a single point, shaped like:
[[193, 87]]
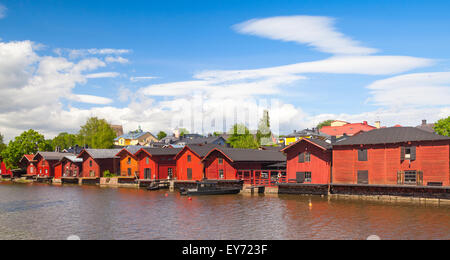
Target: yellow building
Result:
[[295, 136], [137, 137]]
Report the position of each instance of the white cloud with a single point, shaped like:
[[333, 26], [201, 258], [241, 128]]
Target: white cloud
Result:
[[102, 75], [135, 79], [80, 53], [3, 10], [91, 99], [118, 59], [316, 31]]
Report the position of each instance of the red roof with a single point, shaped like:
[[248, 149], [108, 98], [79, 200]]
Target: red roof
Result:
[[29, 157], [349, 129]]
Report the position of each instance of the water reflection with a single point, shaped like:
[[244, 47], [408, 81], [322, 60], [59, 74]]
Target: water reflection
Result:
[[57, 212]]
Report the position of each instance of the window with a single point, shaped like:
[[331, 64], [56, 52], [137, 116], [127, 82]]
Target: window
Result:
[[147, 160], [170, 173], [189, 158], [308, 177], [221, 174], [32, 169], [304, 157], [307, 157], [90, 163], [304, 177], [362, 155], [147, 173], [129, 171], [363, 177], [92, 174], [220, 161], [408, 153], [129, 160], [189, 174], [410, 177]]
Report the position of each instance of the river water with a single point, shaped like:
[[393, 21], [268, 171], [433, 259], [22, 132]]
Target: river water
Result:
[[36, 211]]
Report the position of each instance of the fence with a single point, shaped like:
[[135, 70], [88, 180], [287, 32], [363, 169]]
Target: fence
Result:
[[267, 178]]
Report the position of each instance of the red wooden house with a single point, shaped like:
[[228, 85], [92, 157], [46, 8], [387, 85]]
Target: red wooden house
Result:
[[189, 162], [4, 172], [244, 164], [27, 163], [309, 161], [97, 161], [157, 163], [46, 161], [68, 166], [393, 156]]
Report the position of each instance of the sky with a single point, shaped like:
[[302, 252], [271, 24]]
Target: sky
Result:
[[161, 64]]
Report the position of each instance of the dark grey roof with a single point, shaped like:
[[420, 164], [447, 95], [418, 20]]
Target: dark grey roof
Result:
[[307, 132], [162, 151], [202, 140], [391, 135], [427, 127], [272, 148], [320, 143], [203, 150], [134, 148], [52, 156], [102, 153], [251, 155]]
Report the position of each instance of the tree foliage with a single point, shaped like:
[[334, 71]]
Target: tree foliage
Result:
[[242, 138], [324, 123], [183, 131], [64, 141], [2, 144], [264, 134], [161, 135], [28, 142], [97, 134], [442, 126]]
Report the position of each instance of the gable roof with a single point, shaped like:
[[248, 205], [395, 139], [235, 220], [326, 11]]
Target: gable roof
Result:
[[201, 140], [72, 158], [51, 156], [391, 135], [159, 151], [349, 129], [249, 155], [132, 149], [134, 135], [317, 142], [200, 150], [100, 153]]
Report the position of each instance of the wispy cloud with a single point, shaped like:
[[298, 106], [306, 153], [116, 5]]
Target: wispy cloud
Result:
[[91, 99], [134, 79], [316, 31], [102, 75], [119, 59], [3, 10]]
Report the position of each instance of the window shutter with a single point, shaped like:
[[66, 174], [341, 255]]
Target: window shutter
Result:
[[420, 178], [413, 153], [301, 158], [300, 177], [363, 177], [362, 155], [402, 153]]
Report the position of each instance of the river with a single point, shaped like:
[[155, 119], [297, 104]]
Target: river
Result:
[[39, 211]]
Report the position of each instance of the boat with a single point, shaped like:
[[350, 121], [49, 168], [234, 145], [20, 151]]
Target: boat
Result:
[[209, 188]]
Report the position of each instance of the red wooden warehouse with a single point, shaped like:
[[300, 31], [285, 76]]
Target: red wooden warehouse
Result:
[[46, 161], [27, 163], [68, 166], [97, 161], [309, 161], [393, 156], [244, 164], [189, 162], [157, 163]]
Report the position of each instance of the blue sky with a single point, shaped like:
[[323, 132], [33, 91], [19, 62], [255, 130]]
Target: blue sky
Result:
[[175, 41]]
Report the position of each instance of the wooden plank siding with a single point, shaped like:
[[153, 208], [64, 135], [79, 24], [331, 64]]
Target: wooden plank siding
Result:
[[159, 165], [384, 162], [194, 165]]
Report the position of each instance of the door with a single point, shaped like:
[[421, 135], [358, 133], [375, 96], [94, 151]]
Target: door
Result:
[[363, 177], [147, 173], [189, 174], [129, 171], [300, 177]]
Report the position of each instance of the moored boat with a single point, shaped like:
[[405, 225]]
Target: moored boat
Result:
[[209, 188]]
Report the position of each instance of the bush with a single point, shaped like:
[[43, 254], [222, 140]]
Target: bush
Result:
[[108, 174]]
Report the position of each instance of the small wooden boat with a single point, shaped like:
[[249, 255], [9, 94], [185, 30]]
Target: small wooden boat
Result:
[[209, 188]]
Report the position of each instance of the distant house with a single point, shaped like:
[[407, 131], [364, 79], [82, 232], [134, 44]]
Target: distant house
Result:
[[341, 128], [97, 161], [118, 129], [157, 163], [297, 135], [74, 149], [137, 137], [216, 140], [68, 166], [426, 127], [393, 156], [229, 163], [46, 161], [189, 161], [309, 161]]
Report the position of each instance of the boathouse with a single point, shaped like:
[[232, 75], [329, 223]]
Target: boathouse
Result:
[[253, 166], [309, 161], [29, 165], [157, 163], [68, 167], [4, 172], [129, 165], [393, 156], [46, 161], [97, 161], [189, 162]]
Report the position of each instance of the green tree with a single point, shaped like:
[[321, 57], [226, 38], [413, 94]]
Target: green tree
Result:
[[64, 141], [97, 134], [264, 134], [242, 138], [324, 123], [442, 126], [217, 133], [183, 131], [161, 135], [2, 144], [28, 142]]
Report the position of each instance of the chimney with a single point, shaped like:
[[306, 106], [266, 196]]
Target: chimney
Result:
[[295, 131], [378, 124], [365, 123], [424, 122]]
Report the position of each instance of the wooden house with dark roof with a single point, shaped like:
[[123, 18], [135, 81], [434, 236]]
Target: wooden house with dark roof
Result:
[[97, 161], [129, 164], [189, 162], [68, 167], [309, 161], [393, 156], [157, 163], [242, 164], [46, 161], [28, 164]]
